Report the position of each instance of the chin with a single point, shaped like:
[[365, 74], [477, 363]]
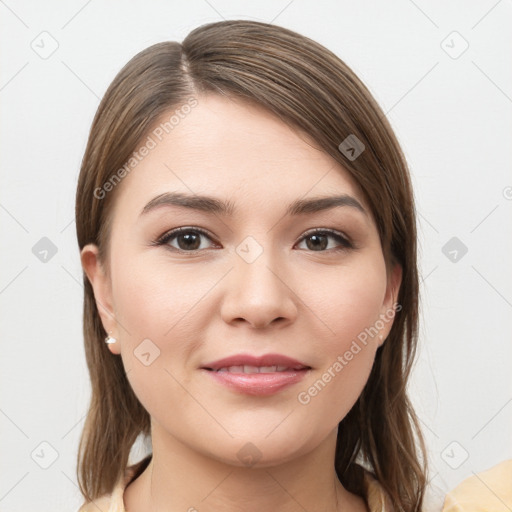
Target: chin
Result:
[[260, 449]]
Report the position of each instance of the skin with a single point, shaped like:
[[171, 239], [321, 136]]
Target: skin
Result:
[[295, 299]]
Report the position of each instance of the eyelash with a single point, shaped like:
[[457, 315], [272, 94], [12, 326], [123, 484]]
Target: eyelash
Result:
[[164, 239]]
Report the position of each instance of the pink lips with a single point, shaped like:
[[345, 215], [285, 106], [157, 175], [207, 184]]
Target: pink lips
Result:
[[278, 372], [266, 360]]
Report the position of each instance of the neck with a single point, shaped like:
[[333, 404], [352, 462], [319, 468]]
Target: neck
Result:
[[181, 479]]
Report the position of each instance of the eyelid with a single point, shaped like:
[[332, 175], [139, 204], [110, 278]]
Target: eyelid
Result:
[[327, 231]]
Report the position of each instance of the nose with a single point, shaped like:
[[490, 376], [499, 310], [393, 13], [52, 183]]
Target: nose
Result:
[[259, 293]]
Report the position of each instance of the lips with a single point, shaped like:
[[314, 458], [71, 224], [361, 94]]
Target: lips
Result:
[[269, 363], [250, 375]]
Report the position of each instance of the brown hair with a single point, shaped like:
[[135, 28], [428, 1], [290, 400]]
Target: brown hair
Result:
[[311, 89]]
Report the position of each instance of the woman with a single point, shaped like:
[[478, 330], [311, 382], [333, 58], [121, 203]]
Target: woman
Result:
[[247, 232]]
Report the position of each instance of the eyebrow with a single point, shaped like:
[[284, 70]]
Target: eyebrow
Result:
[[216, 206]]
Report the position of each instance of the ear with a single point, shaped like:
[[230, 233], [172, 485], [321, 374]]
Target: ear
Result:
[[102, 288], [389, 305]]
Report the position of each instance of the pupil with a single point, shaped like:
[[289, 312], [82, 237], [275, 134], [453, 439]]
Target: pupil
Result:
[[315, 245], [190, 243]]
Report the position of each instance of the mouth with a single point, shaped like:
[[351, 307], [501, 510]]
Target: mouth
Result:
[[258, 369], [245, 363], [252, 375]]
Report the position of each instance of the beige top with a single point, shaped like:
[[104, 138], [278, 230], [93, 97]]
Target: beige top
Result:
[[490, 490], [376, 498]]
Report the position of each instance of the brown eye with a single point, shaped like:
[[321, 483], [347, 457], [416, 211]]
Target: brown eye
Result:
[[318, 241], [188, 241], [185, 239]]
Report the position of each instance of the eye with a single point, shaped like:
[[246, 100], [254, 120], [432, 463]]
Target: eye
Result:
[[187, 239], [318, 240]]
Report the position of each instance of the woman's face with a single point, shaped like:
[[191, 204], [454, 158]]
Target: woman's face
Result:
[[251, 280]]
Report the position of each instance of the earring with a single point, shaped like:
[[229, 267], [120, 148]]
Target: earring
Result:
[[109, 339], [381, 337]]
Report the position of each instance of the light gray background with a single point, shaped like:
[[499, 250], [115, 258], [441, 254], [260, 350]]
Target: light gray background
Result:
[[451, 114]]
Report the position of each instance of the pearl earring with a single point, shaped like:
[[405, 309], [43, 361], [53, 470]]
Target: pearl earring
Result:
[[109, 339]]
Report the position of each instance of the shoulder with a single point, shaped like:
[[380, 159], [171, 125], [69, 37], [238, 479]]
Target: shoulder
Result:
[[113, 501], [488, 490], [102, 504], [376, 497]]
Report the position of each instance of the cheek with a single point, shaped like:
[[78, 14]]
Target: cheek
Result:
[[349, 303], [156, 308], [156, 300], [349, 307], [163, 312]]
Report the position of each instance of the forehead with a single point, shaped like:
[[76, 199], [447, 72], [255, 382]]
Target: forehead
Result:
[[234, 150]]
